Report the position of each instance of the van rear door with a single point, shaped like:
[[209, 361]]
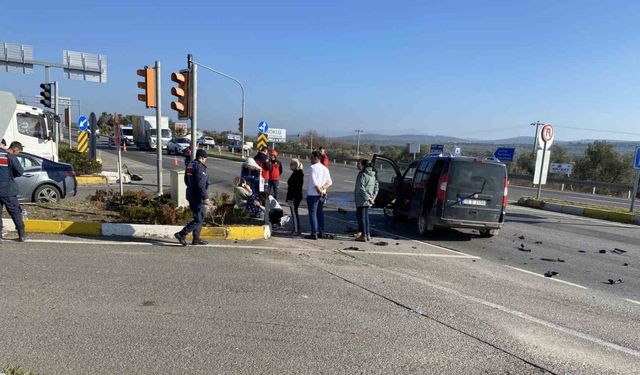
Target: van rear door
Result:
[[475, 189], [389, 180]]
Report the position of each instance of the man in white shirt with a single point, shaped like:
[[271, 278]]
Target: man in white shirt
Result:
[[317, 184]]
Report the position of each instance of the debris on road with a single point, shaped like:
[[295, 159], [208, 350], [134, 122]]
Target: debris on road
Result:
[[538, 242], [602, 251], [522, 248], [352, 248], [548, 260], [550, 274], [561, 260], [625, 264], [521, 237], [618, 251], [612, 281], [581, 251], [397, 243], [381, 243]]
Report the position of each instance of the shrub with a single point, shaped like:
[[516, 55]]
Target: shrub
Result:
[[80, 161]]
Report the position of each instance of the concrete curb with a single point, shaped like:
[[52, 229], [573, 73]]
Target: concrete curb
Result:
[[237, 233], [91, 180], [594, 213]]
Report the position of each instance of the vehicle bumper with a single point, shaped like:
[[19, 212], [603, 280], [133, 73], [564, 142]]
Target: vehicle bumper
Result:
[[458, 223]]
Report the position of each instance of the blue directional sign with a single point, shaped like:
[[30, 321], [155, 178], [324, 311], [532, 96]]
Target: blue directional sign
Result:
[[83, 123], [263, 127], [636, 158], [504, 154], [436, 149]]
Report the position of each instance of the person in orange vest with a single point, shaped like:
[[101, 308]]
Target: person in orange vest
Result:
[[274, 173], [324, 158]]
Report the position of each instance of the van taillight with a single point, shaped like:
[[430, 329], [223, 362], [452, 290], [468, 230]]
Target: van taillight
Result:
[[442, 186], [505, 200]]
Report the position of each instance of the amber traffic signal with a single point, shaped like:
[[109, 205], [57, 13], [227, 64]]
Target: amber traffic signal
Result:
[[149, 86], [182, 93]]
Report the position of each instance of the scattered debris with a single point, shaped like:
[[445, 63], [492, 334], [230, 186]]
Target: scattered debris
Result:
[[538, 242], [381, 243], [148, 303], [618, 251], [625, 264], [521, 237], [581, 251], [352, 248], [397, 243], [548, 260], [329, 236], [413, 247], [550, 274], [522, 248], [612, 281], [522, 245], [561, 260], [473, 260], [342, 210], [602, 251]]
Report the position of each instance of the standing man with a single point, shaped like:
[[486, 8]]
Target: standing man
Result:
[[274, 173], [262, 159], [10, 168], [324, 158], [317, 185], [197, 181]]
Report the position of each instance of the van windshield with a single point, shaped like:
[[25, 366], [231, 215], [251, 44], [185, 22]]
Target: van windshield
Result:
[[127, 131], [476, 177], [165, 133]]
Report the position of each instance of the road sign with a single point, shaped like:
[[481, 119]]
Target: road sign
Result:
[[85, 66], [561, 168], [540, 174], [234, 137], [263, 127], [636, 158], [458, 151], [83, 123], [277, 135], [262, 141], [14, 57], [83, 141], [414, 148], [504, 154], [436, 149], [546, 136]]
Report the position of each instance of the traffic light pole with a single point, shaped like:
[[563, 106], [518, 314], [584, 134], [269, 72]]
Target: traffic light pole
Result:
[[194, 110], [159, 127], [57, 124]]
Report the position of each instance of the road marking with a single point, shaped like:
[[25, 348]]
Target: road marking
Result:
[[411, 254], [573, 195], [393, 235], [548, 278], [155, 243], [632, 301], [516, 313]]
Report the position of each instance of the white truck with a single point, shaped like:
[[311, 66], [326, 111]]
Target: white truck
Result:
[[144, 132], [28, 125]]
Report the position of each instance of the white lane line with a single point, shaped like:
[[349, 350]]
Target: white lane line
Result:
[[517, 313], [411, 254], [393, 235], [548, 278], [632, 301], [156, 243], [81, 242]]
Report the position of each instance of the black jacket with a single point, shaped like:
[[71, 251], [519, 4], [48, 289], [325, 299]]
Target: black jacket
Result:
[[10, 168], [294, 186]]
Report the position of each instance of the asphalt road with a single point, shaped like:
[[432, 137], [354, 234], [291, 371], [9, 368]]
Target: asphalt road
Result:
[[78, 305]]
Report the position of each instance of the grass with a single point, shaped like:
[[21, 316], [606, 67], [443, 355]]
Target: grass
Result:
[[15, 371]]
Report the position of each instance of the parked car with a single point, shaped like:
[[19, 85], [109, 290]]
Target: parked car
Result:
[[206, 141], [45, 180], [177, 146], [445, 191]]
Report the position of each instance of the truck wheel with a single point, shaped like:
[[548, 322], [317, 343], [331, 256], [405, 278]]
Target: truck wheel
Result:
[[424, 226]]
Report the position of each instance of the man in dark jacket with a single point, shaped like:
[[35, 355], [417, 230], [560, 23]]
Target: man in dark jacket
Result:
[[10, 168], [197, 181]]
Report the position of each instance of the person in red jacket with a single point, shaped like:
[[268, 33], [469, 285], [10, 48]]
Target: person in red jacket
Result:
[[274, 174], [324, 158]]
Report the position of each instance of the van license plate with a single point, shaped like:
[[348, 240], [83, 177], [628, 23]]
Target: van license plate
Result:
[[474, 202]]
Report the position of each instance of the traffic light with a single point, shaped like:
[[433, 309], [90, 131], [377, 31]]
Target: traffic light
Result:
[[240, 124], [46, 94], [149, 86], [182, 92]]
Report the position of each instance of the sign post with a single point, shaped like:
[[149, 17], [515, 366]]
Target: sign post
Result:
[[636, 166], [436, 149], [414, 148], [546, 134]]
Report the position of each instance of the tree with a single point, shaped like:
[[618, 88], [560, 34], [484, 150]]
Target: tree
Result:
[[601, 162], [559, 154], [525, 164]]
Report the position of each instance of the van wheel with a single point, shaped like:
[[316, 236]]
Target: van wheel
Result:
[[486, 233], [424, 227]]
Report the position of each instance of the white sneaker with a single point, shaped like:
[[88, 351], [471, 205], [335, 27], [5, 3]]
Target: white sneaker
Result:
[[284, 220]]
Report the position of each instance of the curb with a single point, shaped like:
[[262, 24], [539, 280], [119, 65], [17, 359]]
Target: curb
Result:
[[236, 233], [91, 180], [594, 213]]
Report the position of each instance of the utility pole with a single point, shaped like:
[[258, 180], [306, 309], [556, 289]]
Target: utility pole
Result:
[[358, 143], [535, 139], [194, 109], [158, 126]]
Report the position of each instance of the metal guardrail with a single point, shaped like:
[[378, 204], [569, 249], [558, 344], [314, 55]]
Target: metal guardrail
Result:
[[581, 183]]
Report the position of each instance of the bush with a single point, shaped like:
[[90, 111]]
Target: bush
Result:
[[80, 161], [141, 207]]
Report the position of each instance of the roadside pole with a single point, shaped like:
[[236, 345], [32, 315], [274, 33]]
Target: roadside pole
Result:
[[635, 190], [194, 110], [544, 154], [118, 146], [159, 127], [57, 124]]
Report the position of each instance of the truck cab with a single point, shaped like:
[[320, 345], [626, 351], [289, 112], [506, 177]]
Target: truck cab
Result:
[[28, 125]]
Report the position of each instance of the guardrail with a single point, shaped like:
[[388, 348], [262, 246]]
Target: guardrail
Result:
[[587, 186]]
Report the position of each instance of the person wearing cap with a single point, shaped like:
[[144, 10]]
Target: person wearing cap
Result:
[[10, 168], [274, 173], [197, 181]]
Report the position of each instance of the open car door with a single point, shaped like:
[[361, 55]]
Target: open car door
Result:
[[389, 180]]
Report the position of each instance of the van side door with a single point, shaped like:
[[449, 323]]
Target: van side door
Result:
[[389, 180], [418, 187]]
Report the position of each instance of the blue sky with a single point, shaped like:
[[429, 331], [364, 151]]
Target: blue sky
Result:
[[477, 69]]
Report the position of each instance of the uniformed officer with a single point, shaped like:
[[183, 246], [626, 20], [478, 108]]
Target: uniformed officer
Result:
[[10, 168], [196, 179]]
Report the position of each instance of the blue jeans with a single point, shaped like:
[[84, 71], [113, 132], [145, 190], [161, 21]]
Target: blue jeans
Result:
[[362, 214], [315, 204]]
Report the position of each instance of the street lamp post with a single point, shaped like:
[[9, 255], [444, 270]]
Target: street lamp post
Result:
[[241, 89], [358, 143]]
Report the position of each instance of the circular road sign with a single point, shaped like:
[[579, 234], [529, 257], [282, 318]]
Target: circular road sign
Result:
[[83, 123], [263, 127], [547, 133]]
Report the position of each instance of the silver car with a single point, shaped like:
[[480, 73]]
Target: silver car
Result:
[[45, 180]]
